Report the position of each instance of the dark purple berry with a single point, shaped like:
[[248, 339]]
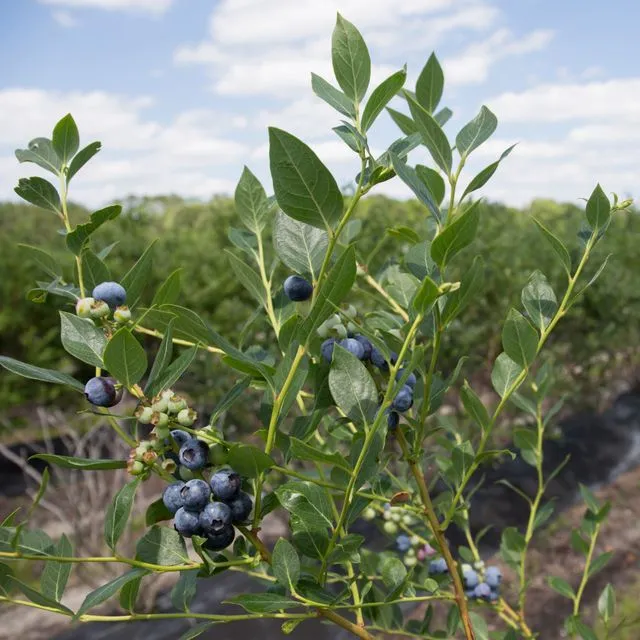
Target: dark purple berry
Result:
[[240, 507], [393, 419], [194, 454], [186, 523], [353, 346], [297, 288], [180, 436], [195, 494], [366, 345], [327, 349], [404, 400], [378, 360], [102, 392], [225, 484], [172, 497], [215, 517], [220, 540], [410, 381]]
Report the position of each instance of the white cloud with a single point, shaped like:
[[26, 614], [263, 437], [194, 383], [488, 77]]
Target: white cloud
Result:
[[65, 19], [152, 7]]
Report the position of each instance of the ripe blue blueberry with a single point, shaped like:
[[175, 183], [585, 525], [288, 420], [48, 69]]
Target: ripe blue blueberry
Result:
[[215, 517], [393, 419], [378, 360], [493, 577], [327, 349], [225, 484], [172, 497], [353, 346], [403, 542], [404, 400], [102, 392], [438, 566], [366, 345], [297, 288], [482, 591], [410, 381], [186, 523], [110, 292], [220, 540], [194, 454], [180, 436], [195, 494], [240, 507], [470, 578]]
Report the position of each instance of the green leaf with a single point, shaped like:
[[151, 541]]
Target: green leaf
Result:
[[39, 598], [248, 277], [504, 374], [543, 514], [304, 187], [519, 339], [40, 151], [410, 177], [82, 339], [425, 296], [308, 505], [263, 602], [455, 236], [539, 300], [84, 464], [169, 290], [607, 603], [350, 136], [352, 387], [393, 572], [589, 499], [433, 181], [332, 291], [94, 270], [196, 631], [474, 406], [303, 451], [161, 545], [66, 139], [433, 136], [556, 245], [300, 246], [81, 158], [381, 96], [124, 358], [430, 84], [77, 238], [249, 461], [156, 512], [404, 122], [55, 575], [418, 260], [586, 632], [332, 96], [598, 209], [46, 262], [479, 626], [175, 370], [39, 192], [162, 360], [106, 591], [286, 564], [38, 373], [118, 513], [474, 133], [485, 175], [470, 285], [600, 562], [136, 280], [351, 61], [251, 202], [184, 590], [129, 594], [562, 587]]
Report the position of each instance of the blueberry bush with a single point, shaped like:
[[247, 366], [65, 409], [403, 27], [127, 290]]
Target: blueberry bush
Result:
[[350, 400]]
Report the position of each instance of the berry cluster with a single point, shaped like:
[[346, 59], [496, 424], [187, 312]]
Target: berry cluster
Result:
[[107, 297], [208, 509], [480, 587]]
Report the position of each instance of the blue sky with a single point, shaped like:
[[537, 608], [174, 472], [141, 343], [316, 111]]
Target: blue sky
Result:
[[180, 92]]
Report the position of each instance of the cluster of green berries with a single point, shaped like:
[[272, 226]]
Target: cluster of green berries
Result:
[[481, 583], [106, 298], [209, 509]]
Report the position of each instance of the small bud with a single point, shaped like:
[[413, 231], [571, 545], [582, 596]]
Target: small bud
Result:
[[83, 307], [135, 468], [169, 466], [159, 419], [122, 314], [149, 458], [176, 404], [99, 309], [187, 417], [144, 414], [391, 528], [369, 514]]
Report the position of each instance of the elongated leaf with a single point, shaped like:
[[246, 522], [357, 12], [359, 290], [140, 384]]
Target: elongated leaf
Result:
[[332, 96], [46, 262], [418, 260], [106, 591], [169, 290], [409, 176], [39, 598], [404, 122], [248, 277], [85, 464], [433, 136], [161, 362], [66, 138], [263, 602], [129, 594], [433, 181], [55, 575], [303, 451], [519, 339], [307, 504], [352, 387], [38, 373], [304, 187], [286, 564], [39, 192], [300, 246], [251, 202], [351, 61], [82, 339], [456, 236], [607, 603], [94, 270], [161, 545], [136, 279], [561, 586], [598, 209], [249, 461], [76, 239], [81, 158], [430, 84], [124, 358], [504, 374], [40, 151], [184, 590], [485, 175], [539, 300], [118, 513], [425, 296], [381, 96], [474, 133], [474, 406], [556, 245], [470, 285]]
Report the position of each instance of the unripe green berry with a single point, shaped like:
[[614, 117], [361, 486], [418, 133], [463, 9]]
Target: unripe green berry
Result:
[[323, 331], [334, 321], [390, 527], [351, 328], [396, 517], [99, 309], [411, 552], [169, 466], [185, 474], [162, 432], [387, 515], [186, 417], [122, 314], [465, 568], [136, 468], [415, 541], [407, 519], [410, 561], [351, 312], [160, 404], [167, 394], [159, 419], [83, 307], [149, 458], [479, 565], [218, 455], [341, 330], [144, 414], [176, 404], [369, 514]]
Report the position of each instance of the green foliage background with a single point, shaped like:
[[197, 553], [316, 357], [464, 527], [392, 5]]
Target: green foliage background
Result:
[[193, 235]]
